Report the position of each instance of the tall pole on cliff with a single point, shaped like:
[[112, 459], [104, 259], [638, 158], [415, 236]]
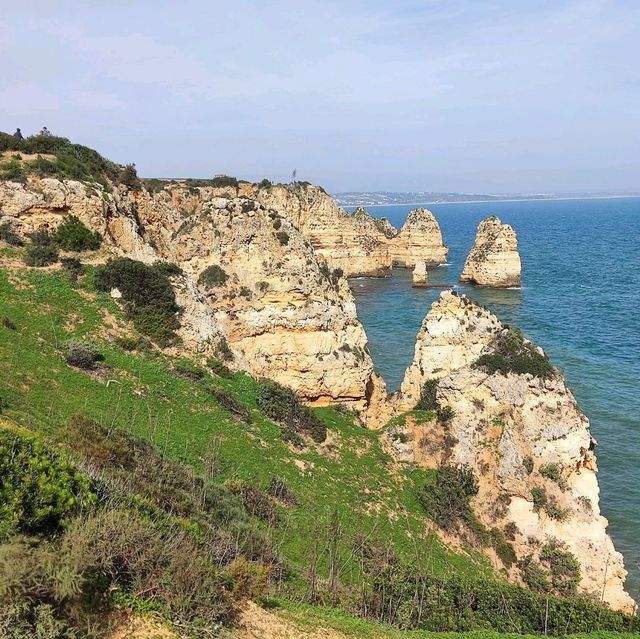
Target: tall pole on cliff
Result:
[[293, 177]]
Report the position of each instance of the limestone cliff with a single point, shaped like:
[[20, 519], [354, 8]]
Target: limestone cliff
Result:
[[419, 239], [493, 260], [357, 244], [524, 437], [283, 313]]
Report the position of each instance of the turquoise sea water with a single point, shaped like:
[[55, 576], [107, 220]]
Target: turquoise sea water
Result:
[[580, 300]]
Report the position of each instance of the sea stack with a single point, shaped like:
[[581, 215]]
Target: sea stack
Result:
[[493, 260], [420, 276], [419, 239], [521, 431]]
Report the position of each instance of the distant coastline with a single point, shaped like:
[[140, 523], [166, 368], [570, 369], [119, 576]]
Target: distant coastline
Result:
[[347, 204]]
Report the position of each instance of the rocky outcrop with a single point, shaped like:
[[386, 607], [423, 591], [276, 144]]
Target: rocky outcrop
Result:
[[419, 239], [420, 277], [524, 437], [357, 244], [493, 260], [282, 312]]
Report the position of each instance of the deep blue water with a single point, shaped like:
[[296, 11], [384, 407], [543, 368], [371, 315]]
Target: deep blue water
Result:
[[580, 300]]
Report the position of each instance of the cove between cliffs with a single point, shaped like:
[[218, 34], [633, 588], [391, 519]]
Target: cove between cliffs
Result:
[[579, 302]]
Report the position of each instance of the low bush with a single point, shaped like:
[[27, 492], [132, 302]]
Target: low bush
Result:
[[147, 296], [41, 489], [511, 353], [9, 236], [282, 405], [428, 395], [73, 235], [13, 171], [132, 343], [41, 255], [231, 404], [8, 323], [255, 500], [218, 368], [224, 180], [129, 177], [82, 355], [188, 370], [283, 237], [447, 497], [213, 276], [265, 184], [279, 489]]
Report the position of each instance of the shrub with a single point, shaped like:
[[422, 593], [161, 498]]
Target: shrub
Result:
[[255, 500], [8, 235], [73, 235], [563, 567], [132, 343], [445, 414], [527, 462], [167, 268], [278, 488], [224, 180], [39, 255], [40, 488], [147, 295], [265, 184], [213, 276], [72, 266], [510, 353], [218, 368], [8, 323], [539, 497], [428, 395], [554, 473], [447, 498], [41, 238], [129, 177], [283, 237], [231, 404], [282, 405], [188, 370], [13, 171], [223, 349], [82, 355]]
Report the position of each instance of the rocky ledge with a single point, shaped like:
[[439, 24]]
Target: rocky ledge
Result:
[[516, 425], [493, 260]]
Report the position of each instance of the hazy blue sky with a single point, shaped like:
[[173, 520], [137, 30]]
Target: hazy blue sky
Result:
[[494, 96]]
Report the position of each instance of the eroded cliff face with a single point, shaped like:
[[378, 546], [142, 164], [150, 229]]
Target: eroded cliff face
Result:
[[283, 313], [494, 260], [419, 240], [524, 437], [356, 243]]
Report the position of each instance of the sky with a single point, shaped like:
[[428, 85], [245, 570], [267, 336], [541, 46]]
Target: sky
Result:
[[495, 96]]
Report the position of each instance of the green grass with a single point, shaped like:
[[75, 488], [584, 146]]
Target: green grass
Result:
[[139, 393], [316, 617]]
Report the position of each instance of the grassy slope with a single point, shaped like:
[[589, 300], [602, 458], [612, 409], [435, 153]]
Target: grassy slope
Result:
[[141, 395], [314, 617]]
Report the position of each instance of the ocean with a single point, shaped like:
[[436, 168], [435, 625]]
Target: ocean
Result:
[[580, 301]]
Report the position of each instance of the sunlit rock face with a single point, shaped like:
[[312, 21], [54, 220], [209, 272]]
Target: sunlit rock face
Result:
[[283, 313], [494, 260], [523, 437], [419, 240]]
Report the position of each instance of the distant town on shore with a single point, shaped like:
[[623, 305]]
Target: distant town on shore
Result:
[[386, 198]]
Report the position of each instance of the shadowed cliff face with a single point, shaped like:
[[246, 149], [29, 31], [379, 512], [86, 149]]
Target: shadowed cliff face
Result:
[[524, 437]]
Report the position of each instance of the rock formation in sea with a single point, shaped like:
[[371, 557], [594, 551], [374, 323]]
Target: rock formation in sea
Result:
[[494, 260], [420, 277], [519, 428], [282, 312], [419, 239]]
